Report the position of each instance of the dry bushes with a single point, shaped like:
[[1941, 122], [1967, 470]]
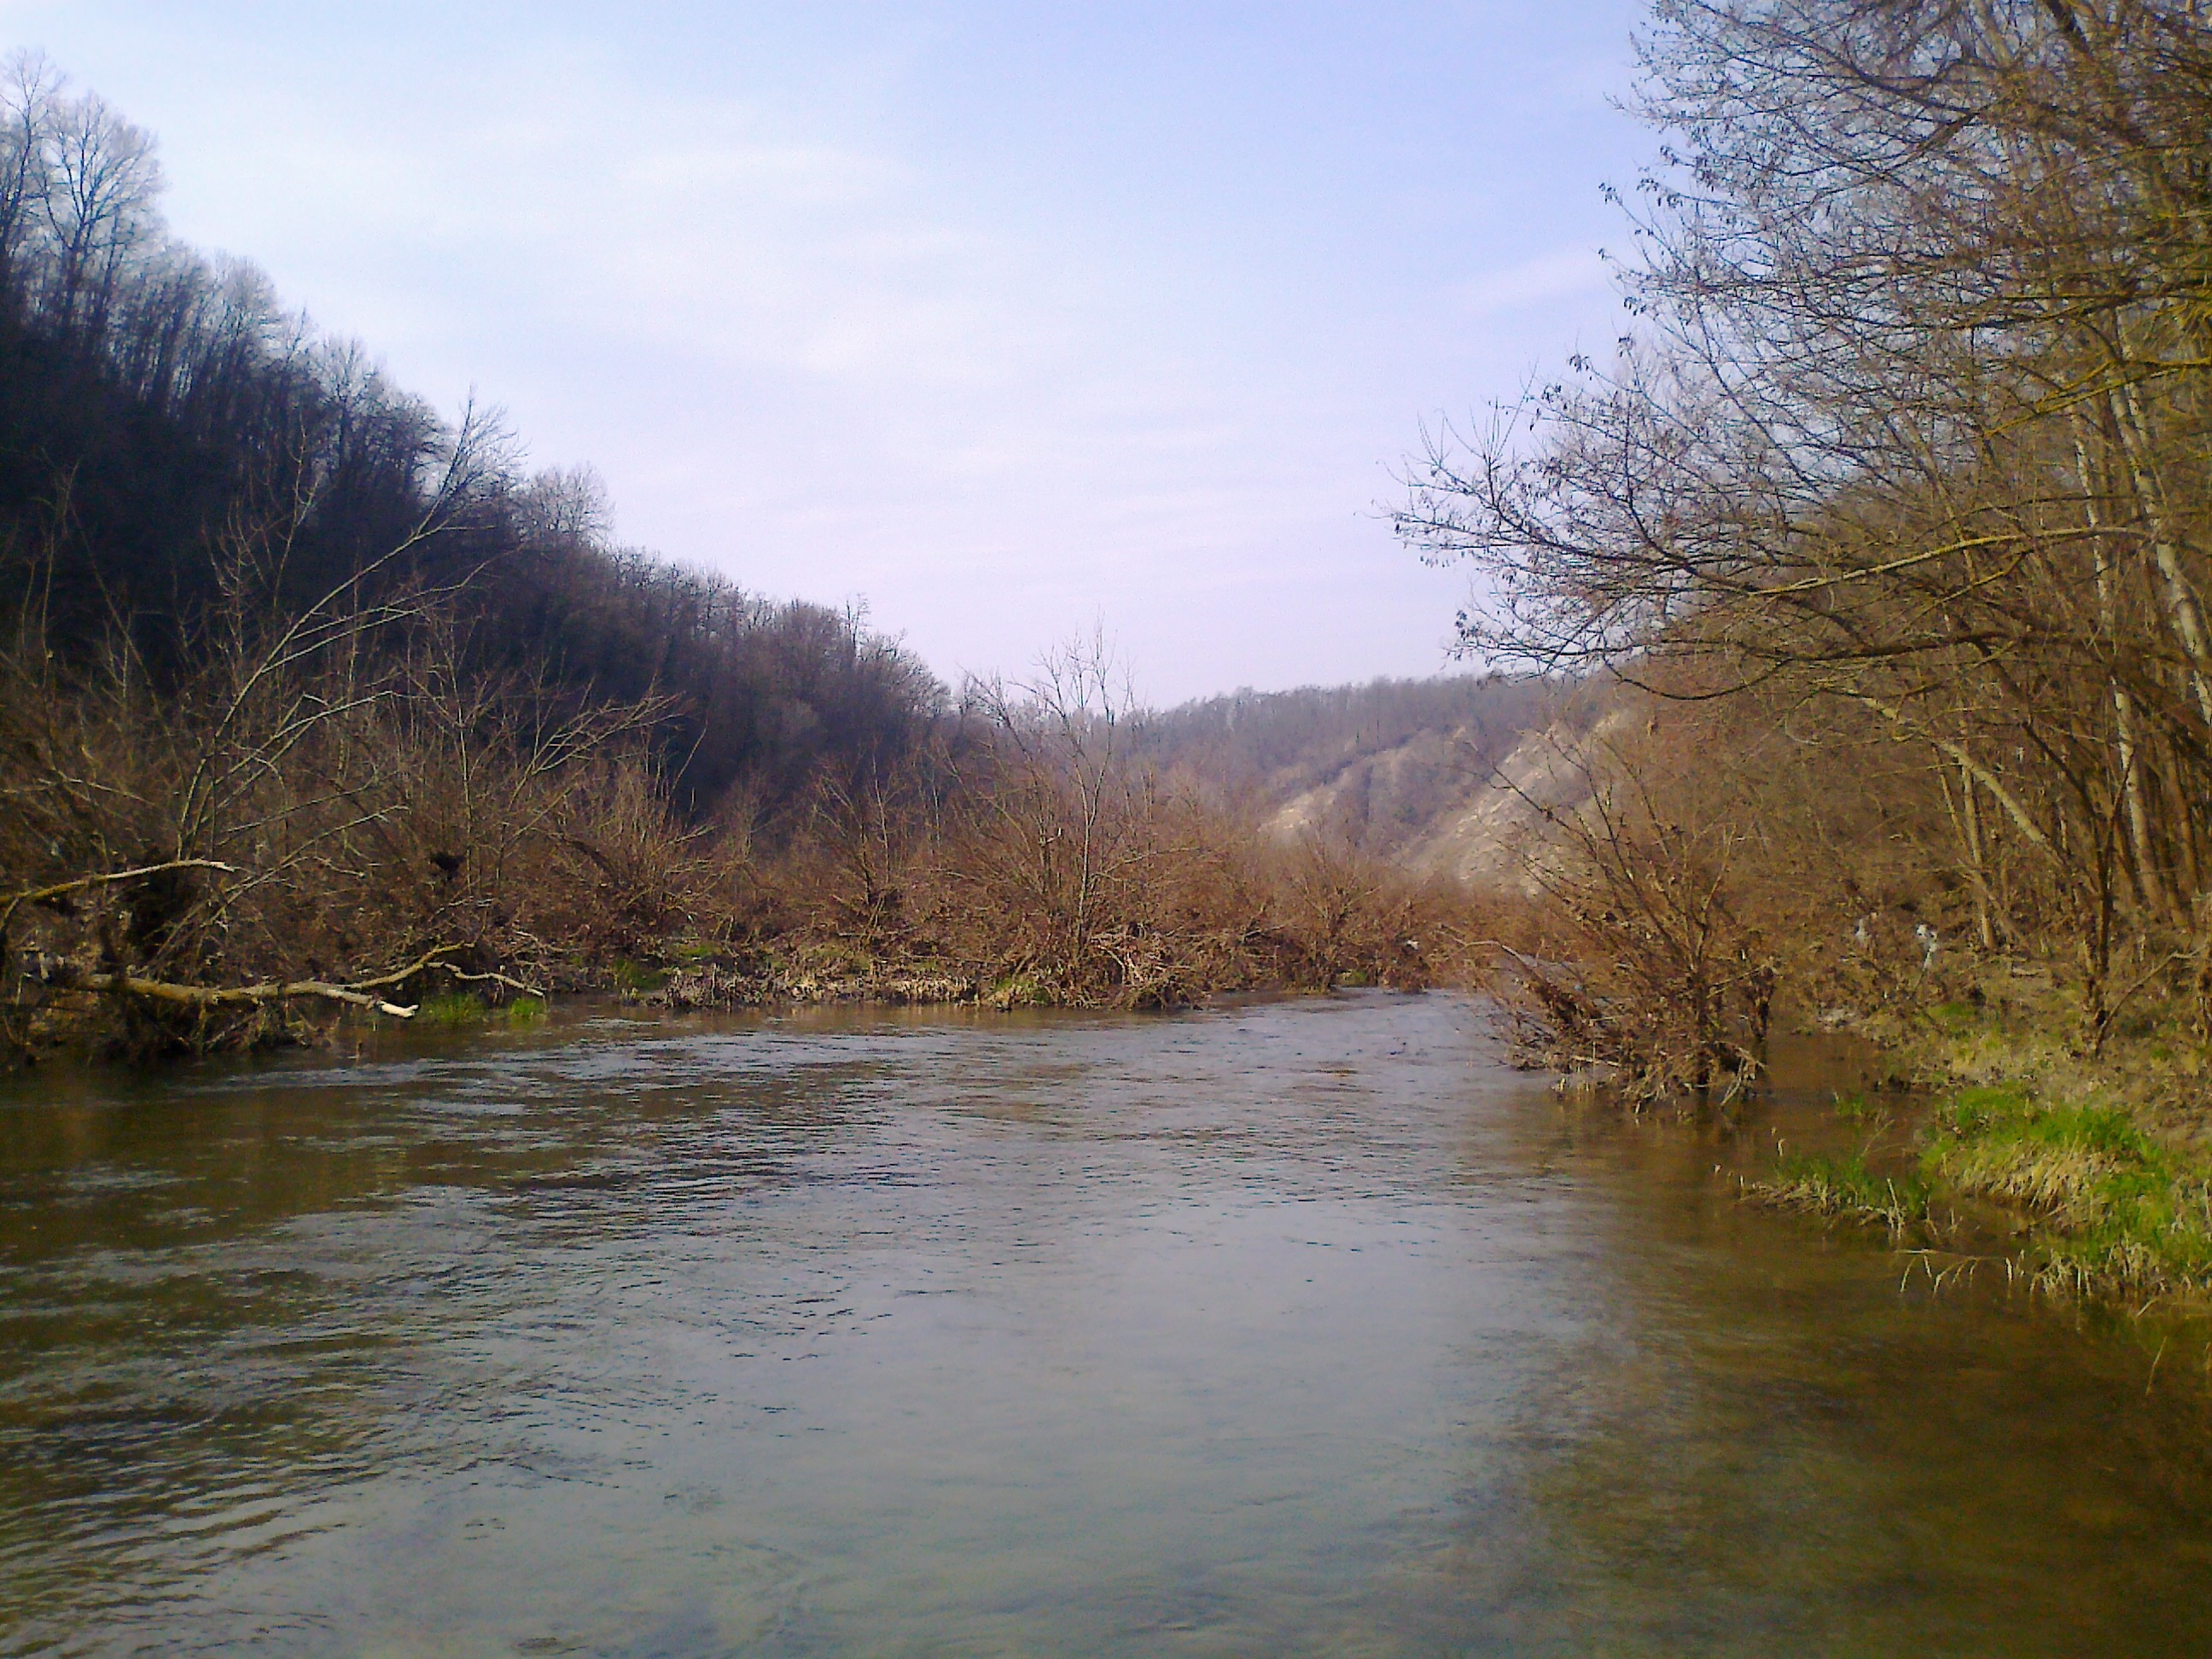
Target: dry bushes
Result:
[[1649, 973], [987, 898], [1773, 854], [329, 814], [1082, 874], [1719, 868], [1035, 854], [324, 813]]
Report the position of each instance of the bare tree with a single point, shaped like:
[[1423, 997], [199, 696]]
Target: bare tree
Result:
[[1910, 419]]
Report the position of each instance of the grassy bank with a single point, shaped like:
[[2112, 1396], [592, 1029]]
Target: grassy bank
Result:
[[2097, 1159]]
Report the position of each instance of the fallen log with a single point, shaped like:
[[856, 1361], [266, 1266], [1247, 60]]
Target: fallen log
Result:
[[355, 993], [218, 996]]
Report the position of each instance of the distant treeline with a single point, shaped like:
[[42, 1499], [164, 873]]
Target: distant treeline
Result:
[[169, 432]]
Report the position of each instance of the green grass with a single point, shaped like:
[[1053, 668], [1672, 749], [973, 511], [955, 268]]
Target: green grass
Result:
[[2109, 1210], [2089, 1151], [1823, 1183], [1018, 991], [1999, 1143], [638, 977], [457, 1008], [1858, 1109], [2116, 1212], [1954, 1019], [525, 1010]]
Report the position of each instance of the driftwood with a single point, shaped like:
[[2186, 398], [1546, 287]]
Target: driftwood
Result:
[[218, 996], [356, 993]]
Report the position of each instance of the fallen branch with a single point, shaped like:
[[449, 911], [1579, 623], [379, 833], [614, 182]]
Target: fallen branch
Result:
[[437, 958], [356, 993], [214, 996], [490, 976]]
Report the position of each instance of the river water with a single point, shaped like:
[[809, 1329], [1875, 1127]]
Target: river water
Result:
[[1298, 1327]]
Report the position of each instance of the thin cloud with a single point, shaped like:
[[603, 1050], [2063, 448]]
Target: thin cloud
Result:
[[1562, 274], [1006, 328]]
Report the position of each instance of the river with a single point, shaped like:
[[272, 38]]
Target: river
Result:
[[1291, 1327]]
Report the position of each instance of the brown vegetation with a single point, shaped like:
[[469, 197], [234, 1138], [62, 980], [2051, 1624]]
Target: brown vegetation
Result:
[[312, 703], [1892, 513], [327, 815], [1050, 860]]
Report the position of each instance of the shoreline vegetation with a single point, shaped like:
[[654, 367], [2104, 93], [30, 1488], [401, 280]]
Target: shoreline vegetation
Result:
[[315, 705], [1880, 548], [356, 853], [2092, 1173]]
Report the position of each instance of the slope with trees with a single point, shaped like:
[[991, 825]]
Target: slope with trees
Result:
[[1397, 769], [1894, 499]]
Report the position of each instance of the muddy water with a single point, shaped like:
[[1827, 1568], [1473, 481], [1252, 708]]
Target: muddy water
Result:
[[1298, 1328]]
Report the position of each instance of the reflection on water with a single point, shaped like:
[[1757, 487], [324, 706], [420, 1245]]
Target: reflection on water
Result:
[[1301, 1327]]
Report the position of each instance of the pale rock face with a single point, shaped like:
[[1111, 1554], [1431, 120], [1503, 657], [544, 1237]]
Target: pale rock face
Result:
[[1430, 805]]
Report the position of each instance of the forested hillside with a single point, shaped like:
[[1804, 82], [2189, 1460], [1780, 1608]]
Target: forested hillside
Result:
[[1378, 765], [174, 445], [1447, 777], [311, 699]]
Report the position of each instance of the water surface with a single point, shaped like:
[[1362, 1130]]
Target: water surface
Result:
[[1303, 1328]]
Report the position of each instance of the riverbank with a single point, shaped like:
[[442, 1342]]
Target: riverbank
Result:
[[2091, 1161], [1223, 913]]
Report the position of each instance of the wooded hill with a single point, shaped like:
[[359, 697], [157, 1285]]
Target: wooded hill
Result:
[[310, 699], [1382, 766], [174, 445]]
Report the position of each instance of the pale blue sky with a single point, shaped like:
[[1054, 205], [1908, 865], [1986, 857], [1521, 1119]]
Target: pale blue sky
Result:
[[1008, 318]]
